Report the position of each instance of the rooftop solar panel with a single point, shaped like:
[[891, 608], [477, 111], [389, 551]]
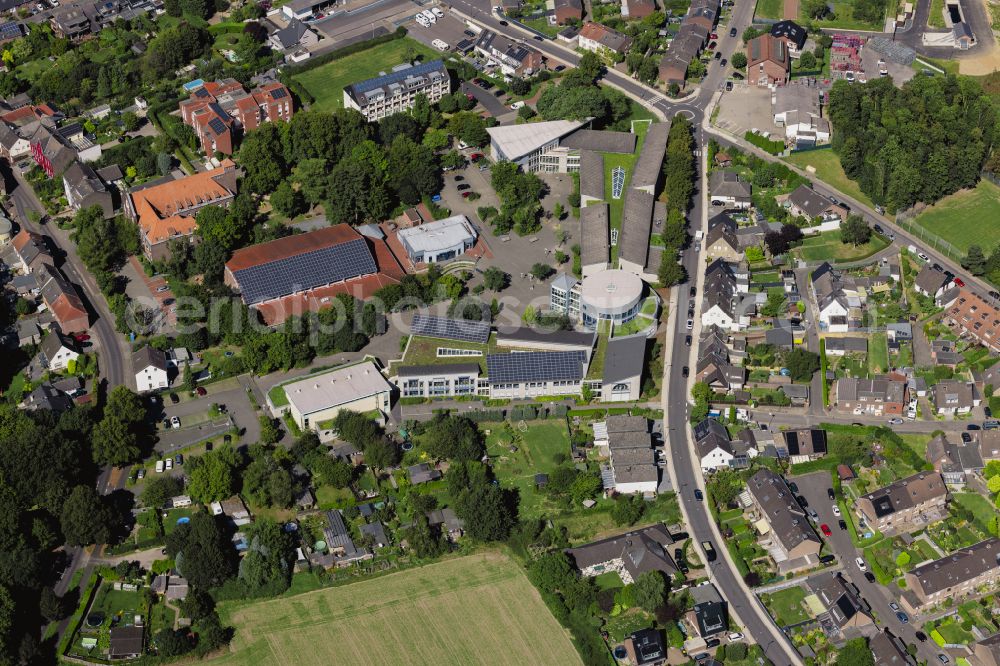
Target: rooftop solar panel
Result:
[[535, 366], [394, 77], [451, 329], [306, 271], [217, 126], [278, 93]]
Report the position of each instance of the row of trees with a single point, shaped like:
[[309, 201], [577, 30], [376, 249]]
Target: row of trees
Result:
[[679, 170], [918, 143]]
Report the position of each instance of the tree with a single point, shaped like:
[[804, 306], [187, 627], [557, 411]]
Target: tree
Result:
[[815, 9], [469, 127], [116, 437], [286, 200], [159, 490], [775, 243], [85, 519], [801, 364], [262, 159], [855, 231], [650, 590], [994, 484], [628, 509], [213, 475], [754, 254], [739, 60], [807, 61], [542, 271], [270, 433], [902, 559], [203, 551], [495, 279], [381, 453], [171, 642], [975, 260], [52, 606], [855, 653], [454, 437], [774, 306], [670, 273]]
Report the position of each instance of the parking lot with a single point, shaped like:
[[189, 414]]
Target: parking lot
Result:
[[449, 29], [364, 21], [196, 424], [744, 108]]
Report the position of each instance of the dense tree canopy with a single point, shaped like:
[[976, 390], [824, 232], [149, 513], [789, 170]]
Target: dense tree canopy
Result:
[[918, 143]]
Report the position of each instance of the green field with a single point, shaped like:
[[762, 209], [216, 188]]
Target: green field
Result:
[[536, 451], [878, 354], [423, 351], [474, 609], [770, 9], [828, 170], [787, 606], [980, 507], [843, 18], [935, 18], [966, 218], [326, 83], [828, 247]]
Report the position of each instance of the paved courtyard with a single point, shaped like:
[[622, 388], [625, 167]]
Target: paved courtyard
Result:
[[744, 108]]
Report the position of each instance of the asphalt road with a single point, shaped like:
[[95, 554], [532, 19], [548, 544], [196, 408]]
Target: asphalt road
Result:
[[813, 487]]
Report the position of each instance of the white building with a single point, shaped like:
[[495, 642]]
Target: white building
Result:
[[437, 381], [58, 351], [440, 241], [397, 91], [318, 398], [612, 295], [715, 449], [150, 366], [521, 375], [535, 146]]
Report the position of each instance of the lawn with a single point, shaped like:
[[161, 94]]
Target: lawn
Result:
[[537, 448], [465, 610], [959, 218], [828, 247], [979, 506], [787, 605], [423, 351], [828, 170], [326, 83], [878, 354], [843, 13], [935, 18], [596, 368], [770, 9]]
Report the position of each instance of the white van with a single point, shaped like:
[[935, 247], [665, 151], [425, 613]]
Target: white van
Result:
[[437, 12], [419, 18], [440, 45], [517, 105], [429, 15]]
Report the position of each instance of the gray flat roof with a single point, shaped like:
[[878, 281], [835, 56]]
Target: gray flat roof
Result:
[[637, 221], [594, 243], [650, 163], [437, 370], [601, 141], [529, 336], [591, 174], [624, 358]]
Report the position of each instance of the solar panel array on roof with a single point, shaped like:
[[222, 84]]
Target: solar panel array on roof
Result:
[[217, 126], [10, 30], [278, 93], [305, 271], [451, 329], [393, 77], [535, 366], [201, 92]]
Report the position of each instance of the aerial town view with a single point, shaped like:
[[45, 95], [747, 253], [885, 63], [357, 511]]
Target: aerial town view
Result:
[[557, 332]]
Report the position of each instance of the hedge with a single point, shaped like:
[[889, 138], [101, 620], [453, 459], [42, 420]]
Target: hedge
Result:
[[767, 145]]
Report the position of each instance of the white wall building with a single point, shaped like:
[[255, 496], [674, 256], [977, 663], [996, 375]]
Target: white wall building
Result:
[[150, 366], [397, 91], [317, 398]]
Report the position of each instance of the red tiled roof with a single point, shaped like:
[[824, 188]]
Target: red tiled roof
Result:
[[290, 246]]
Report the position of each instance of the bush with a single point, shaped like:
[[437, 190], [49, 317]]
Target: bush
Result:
[[767, 145]]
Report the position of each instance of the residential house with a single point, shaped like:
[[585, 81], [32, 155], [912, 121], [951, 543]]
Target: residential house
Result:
[[84, 188], [713, 445], [646, 647], [637, 9], [906, 504], [294, 34], [602, 40], [630, 554], [513, 58], [883, 395], [837, 298], [46, 396], [954, 462], [57, 351], [54, 149], [943, 352], [986, 652], [810, 204], [842, 602], [726, 188], [805, 444], [792, 34], [219, 110], [721, 241], [841, 346], [166, 211], [785, 529], [974, 317], [30, 251], [451, 525], [341, 549], [806, 129], [956, 575], [13, 146], [567, 11], [711, 613], [725, 285], [769, 61], [398, 90], [899, 332], [931, 282], [376, 532], [61, 299], [422, 473], [955, 397], [150, 367], [126, 642], [632, 467], [889, 650]]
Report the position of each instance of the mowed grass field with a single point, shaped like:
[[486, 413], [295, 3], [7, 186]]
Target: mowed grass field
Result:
[[828, 247], [966, 218], [474, 609], [326, 83], [828, 169]]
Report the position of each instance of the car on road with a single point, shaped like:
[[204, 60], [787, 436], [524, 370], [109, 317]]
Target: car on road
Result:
[[698, 495], [718, 55], [972, 426], [732, 32], [923, 257], [878, 229], [175, 422], [966, 437], [829, 493], [690, 324], [861, 563], [713, 36], [709, 549], [895, 421], [826, 530], [894, 606], [921, 636], [869, 576], [687, 340], [685, 371], [504, 23], [842, 524], [724, 62], [692, 291], [794, 487], [903, 617], [836, 510], [959, 282], [538, 38]]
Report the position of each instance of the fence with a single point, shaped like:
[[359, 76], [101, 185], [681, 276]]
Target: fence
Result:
[[907, 221]]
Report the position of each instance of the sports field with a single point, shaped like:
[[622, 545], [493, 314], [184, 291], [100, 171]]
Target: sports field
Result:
[[969, 217], [326, 83], [475, 609]]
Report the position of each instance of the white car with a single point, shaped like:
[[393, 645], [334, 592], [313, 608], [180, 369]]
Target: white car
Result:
[[440, 45], [861, 564], [169, 464], [159, 466], [836, 510], [923, 256], [735, 636], [175, 422], [437, 12], [690, 324]]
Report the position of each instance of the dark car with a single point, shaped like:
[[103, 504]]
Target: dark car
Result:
[[972, 426], [732, 32], [829, 493], [902, 617], [995, 294], [724, 62], [966, 437], [709, 549], [678, 554], [691, 313], [729, 86], [685, 371], [712, 45], [802, 500], [794, 487], [842, 524], [692, 291], [827, 559], [718, 55], [921, 636], [174, 398], [698, 495], [503, 23], [459, 179], [179, 459], [538, 38], [738, 76], [713, 642], [687, 340], [464, 186], [869, 576]]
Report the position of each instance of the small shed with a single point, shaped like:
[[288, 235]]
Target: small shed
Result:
[[541, 480], [845, 473]]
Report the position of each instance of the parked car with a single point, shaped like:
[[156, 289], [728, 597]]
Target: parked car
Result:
[[829, 493], [803, 502], [459, 178], [828, 559], [995, 294], [713, 643], [836, 510], [179, 459], [732, 32], [81, 337], [973, 426], [159, 466], [735, 636], [463, 187], [718, 55], [813, 514], [894, 606], [861, 563], [141, 474], [690, 324], [959, 282], [724, 62], [729, 86], [921, 636], [168, 464], [698, 495], [175, 422], [692, 291], [842, 524], [944, 659], [966, 437], [895, 421], [685, 371], [826, 530], [201, 391], [465, 195], [174, 398], [687, 340], [869, 576], [903, 617], [713, 36], [794, 487]]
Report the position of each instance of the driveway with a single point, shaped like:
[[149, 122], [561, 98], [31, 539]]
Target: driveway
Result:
[[813, 487], [487, 99]]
